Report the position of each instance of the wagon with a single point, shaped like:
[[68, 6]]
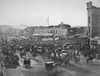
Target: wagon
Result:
[[50, 65]]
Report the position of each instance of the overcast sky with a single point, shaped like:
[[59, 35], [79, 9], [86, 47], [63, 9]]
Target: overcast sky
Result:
[[35, 12]]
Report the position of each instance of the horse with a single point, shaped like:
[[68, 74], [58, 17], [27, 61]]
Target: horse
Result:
[[90, 59], [21, 60], [89, 56]]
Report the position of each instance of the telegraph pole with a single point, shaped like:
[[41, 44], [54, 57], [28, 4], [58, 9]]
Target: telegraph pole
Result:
[[48, 20]]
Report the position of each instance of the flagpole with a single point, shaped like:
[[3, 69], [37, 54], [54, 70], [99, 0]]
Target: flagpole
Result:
[[48, 20]]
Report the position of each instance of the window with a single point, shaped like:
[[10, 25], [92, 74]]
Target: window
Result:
[[89, 19]]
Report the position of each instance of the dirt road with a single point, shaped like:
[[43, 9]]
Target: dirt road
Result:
[[81, 69]]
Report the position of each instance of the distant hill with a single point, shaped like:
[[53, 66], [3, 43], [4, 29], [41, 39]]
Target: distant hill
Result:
[[10, 30], [20, 26], [14, 32], [4, 28]]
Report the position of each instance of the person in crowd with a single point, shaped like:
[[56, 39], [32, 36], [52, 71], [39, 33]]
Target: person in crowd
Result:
[[27, 63], [2, 61]]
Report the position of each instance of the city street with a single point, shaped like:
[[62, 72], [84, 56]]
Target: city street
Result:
[[49, 38], [81, 69]]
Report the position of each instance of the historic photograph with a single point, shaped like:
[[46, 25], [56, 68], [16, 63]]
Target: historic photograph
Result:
[[49, 37]]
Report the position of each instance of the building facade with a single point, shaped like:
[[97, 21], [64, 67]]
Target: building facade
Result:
[[93, 20], [55, 30], [51, 32]]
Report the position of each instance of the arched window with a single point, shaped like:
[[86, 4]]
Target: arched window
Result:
[[89, 19]]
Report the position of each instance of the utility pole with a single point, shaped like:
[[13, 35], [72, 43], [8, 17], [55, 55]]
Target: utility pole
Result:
[[48, 20]]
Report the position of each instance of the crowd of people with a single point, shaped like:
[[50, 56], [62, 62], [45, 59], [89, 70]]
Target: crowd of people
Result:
[[14, 53], [17, 55]]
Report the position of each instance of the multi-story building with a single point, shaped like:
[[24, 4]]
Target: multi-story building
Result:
[[51, 32], [93, 19], [55, 30], [93, 24]]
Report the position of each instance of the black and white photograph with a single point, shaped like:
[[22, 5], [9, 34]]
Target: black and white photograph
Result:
[[49, 37]]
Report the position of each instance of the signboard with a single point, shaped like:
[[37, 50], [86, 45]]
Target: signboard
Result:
[[94, 42]]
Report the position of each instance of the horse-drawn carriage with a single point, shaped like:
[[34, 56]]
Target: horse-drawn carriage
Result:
[[59, 61], [51, 66]]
